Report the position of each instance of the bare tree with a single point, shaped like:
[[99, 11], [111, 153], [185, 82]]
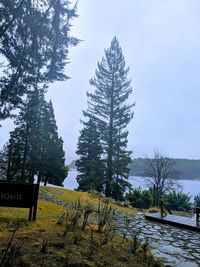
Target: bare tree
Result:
[[161, 175]]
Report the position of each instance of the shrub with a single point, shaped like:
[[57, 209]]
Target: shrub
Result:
[[139, 198], [104, 214], [197, 200], [177, 200]]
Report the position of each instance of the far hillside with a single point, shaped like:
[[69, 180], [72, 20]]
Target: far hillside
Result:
[[186, 168], [72, 165]]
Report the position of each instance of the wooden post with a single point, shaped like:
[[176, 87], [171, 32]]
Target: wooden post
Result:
[[36, 192], [161, 208], [197, 215]]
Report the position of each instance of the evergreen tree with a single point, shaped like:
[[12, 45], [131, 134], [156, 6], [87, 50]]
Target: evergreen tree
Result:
[[90, 165], [108, 107], [120, 165], [34, 43], [34, 145], [25, 140], [16, 160], [3, 162], [52, 161]]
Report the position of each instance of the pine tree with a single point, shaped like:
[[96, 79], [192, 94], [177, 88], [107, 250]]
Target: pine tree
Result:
[[109, 108], [24, 142], [52, 161], [34, 145], [34, 43], [16, 147], [90, 165], [4, 162]]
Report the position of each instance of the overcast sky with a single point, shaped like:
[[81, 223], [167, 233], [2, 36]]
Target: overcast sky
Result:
[[160, 40]]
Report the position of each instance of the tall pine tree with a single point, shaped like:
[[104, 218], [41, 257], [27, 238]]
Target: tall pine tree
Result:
[[108, 107], [90, 165]]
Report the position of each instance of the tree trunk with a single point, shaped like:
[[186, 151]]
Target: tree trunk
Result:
[[110, 147], [25, 154], [32, 177], [45, 181], [9, 162], [39, 178]]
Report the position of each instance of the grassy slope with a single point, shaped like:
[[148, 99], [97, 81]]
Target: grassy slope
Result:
[[42, 243]]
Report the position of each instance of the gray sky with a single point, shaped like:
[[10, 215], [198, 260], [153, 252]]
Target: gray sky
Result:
[[160, 40]]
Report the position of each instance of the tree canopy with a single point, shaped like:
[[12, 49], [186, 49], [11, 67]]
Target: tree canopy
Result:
[[34, 43]]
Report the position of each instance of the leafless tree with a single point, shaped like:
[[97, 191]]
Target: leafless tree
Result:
[[161, 175]]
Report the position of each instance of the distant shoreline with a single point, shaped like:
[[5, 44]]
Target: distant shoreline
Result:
[[192, 179], [186, 169]]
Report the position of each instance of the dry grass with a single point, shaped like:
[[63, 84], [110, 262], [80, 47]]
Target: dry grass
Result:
[[153, 209], [71, 196], [42, 243]]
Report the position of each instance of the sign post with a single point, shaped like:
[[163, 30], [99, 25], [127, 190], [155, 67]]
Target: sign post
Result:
[[20, 195]]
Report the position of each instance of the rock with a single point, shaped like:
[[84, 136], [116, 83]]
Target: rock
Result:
[[177, 244], [188, 256], [187, 264], [156, 227], [191, 246], [196, 255], [169, 239], [193, 241], [170, 250]]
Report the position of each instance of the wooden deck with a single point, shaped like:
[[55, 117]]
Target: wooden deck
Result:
[[180, 221]]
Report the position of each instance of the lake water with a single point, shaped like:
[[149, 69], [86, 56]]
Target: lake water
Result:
[[189, 186]]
